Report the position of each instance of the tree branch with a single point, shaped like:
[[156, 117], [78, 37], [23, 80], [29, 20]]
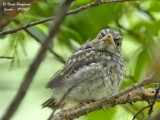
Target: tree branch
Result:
[[136, 95], [82, 8], [6, 57], [152, 103], [83, 109], [58, 57], [36, 62]]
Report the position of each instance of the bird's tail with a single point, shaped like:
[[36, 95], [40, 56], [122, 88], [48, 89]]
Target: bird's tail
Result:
[[49, 103]]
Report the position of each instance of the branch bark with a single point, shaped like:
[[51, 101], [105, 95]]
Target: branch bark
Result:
[[82, 8], [76, 112], [36, 62], [134, 96]]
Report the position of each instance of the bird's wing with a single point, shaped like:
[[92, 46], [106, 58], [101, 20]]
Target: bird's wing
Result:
[[85, 75], [79, 58]]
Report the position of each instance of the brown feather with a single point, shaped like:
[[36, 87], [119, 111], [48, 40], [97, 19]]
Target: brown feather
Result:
[[49, 103], [69, 67]]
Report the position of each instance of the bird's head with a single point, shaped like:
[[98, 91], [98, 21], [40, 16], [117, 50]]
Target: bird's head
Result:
[[110, 39]]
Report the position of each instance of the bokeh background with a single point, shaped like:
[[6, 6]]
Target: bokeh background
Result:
[[139, 22]]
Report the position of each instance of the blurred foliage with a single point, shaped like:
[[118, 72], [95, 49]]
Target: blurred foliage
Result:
[[138, 21]]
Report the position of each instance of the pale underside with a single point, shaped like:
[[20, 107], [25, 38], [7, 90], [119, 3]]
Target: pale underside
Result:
[[98, 79]]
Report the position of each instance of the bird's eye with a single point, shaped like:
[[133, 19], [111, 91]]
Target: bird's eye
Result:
[[118, 43]]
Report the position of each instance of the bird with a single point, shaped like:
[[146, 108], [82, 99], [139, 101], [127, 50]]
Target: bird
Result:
[[94, 71]]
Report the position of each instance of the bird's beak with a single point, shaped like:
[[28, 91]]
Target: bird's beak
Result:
[[108, 38]]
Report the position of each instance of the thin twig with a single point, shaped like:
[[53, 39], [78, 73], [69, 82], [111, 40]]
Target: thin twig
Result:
[[90, 5], [136, 34], [152, 103], [36, 62], [58, 57], [6, 57], [140, 112], [149, 106], [145, 11]]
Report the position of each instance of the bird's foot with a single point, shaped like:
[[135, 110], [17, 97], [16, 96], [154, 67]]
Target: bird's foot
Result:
[[87, 105]]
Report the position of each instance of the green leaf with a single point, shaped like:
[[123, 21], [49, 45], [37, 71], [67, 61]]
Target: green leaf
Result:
[[154, 6], [141, 64]]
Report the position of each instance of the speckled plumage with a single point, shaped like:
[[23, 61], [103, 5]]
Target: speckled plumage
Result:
[[94, 71]]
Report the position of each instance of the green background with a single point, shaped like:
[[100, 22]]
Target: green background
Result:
[[138, 22]]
